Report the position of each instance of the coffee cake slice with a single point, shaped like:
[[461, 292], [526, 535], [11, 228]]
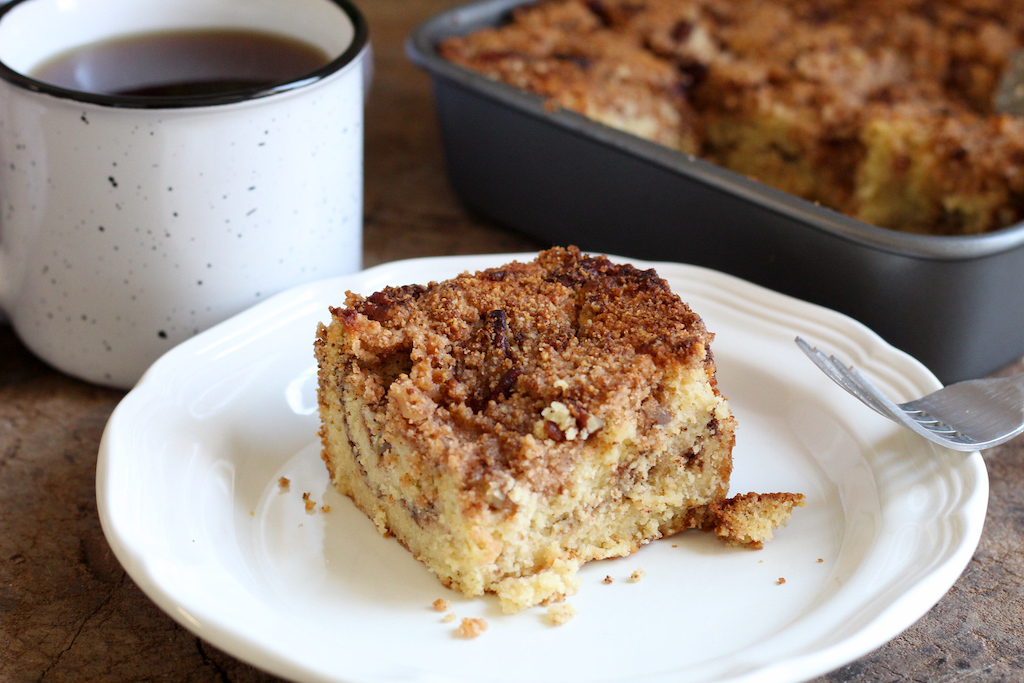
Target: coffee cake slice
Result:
[[509, 425]]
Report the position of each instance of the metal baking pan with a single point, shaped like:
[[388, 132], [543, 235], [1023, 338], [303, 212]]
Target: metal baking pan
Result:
[[954, 303]]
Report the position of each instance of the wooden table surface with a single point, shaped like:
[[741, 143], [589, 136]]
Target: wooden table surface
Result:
[[68, 612]]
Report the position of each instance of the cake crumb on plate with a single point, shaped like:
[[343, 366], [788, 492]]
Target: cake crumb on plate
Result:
[[471, 627], [561, 613]]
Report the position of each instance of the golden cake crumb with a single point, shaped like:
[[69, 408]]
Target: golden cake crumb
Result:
[[471, 627], [637, 575], [747, 519], [449, 618], [781, 581], [283, 483], [561, 613], [441, 605], [607, 579]]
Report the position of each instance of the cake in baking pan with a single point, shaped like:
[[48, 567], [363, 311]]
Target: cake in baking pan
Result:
[[880, 109]]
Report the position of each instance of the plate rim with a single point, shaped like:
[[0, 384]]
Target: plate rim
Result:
[[873, 352]]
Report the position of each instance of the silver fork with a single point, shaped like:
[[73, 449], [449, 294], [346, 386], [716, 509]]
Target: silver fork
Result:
[[966, 416]]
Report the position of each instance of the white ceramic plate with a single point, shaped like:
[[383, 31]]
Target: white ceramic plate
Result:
[[189, 496]]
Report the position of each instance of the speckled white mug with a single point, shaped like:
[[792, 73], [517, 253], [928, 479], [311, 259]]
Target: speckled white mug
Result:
[[129, 225]]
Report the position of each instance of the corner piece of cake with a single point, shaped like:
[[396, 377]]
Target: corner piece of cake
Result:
[[509, 425]]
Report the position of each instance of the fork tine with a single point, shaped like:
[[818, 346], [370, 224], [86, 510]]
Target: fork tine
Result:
[[857, 384], [928, 422], [860, 386], [950, 437], [840, 374], [824, 363]]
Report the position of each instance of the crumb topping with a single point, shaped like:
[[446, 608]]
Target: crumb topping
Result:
[[515, 361]]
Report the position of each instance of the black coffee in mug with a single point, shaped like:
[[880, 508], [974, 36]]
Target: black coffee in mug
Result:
[[183, 63]]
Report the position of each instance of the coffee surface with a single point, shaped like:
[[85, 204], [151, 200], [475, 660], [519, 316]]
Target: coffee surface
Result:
[[183, 63]]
